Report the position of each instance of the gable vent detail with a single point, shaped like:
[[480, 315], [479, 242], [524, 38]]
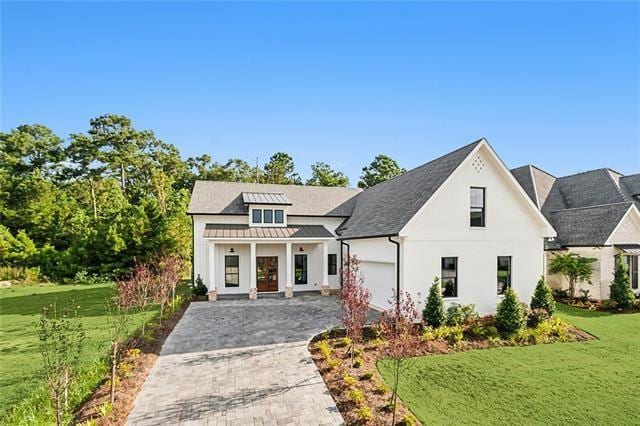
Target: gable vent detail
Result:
[[478, 164]]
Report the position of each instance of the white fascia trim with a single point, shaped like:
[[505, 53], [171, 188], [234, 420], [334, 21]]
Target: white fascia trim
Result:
[[549, 232], [632, 208]]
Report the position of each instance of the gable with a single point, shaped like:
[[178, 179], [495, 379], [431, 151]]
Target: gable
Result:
[[509, 210], [628, 230], [510, 213]]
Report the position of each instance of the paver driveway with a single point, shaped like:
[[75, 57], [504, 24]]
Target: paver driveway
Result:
[[241, 362]]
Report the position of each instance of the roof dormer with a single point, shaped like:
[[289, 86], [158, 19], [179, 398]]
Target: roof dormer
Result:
[[266, 208]]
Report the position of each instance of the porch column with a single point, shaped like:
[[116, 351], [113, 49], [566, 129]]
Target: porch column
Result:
[[324, 288], [253, 291], [213, 291], [288, 289]]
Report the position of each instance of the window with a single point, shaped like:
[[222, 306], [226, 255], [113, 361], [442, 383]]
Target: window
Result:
[[279, 216], [504, 273], [231, 271], [300, 268], [477, 217], [333, 264], [268, 216], [257, 216], [449, 277], [632, 266]]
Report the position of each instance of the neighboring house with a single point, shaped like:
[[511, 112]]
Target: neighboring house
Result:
[[462, 217], [595, 214]]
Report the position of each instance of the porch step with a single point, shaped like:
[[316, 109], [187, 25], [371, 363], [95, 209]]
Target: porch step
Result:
[[278, 295]]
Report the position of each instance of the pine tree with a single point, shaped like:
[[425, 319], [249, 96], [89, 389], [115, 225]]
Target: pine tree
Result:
[[433, 313], [510, 315], [542, 298], [620, 289]]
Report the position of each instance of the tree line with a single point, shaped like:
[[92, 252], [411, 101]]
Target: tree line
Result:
[[101, 200]]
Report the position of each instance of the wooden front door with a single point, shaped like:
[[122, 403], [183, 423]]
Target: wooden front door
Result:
[[267, 273]]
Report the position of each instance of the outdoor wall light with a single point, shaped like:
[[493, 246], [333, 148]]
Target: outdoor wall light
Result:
[[301, 249], [231, 250]]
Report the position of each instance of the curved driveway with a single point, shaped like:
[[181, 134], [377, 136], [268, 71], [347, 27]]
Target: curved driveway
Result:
[[241, 362]]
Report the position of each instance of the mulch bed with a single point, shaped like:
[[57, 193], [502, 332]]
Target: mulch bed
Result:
[[139, 357], [593, 305], [371, 351]]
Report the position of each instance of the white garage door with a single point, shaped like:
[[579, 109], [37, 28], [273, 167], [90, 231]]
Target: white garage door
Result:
[[380, 278]]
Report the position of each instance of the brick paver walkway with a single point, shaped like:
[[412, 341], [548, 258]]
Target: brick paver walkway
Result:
[[241, 362]]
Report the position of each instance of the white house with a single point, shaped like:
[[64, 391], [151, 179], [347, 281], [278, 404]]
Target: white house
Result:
[[595, 214], [462, 217]]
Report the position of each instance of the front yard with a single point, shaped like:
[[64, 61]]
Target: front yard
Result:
[[593, 382], [20, 369]]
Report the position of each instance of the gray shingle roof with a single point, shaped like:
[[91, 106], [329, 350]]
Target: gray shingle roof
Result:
[[630, 185], [524, 176], [584, 208], [588, 226], [385, 209], [209, 197], [220, 230]]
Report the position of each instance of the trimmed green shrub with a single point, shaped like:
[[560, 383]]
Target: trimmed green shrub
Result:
[[433, 313], [543, 298], [199, 289], [620, 289], [510, 315], [458, 314]]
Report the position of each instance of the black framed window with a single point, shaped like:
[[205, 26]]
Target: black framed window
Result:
[[257, 215], [477, 214], [632, 266], [278, 216], [300, 268], [268, 216], [232, 271], [449, 277], [333, 264], [504, 273]]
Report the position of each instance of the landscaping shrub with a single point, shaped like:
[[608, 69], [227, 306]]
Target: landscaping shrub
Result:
[[458, 314], [199, 288], [85, 278], [333, 363], [365, 414], [542, 298], [536, 316], [349, 380], [510, 315], [368, 375], [357, 362], [433, 313], [324, 348], [409, 420], [356, 396], [620, 289]]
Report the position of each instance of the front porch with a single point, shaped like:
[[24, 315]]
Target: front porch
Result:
[[266, 266]]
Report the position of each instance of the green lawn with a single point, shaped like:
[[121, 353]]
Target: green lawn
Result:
[[596, 382], [20, 308]]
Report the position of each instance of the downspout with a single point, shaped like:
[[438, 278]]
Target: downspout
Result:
[[397, 272], [192, 251]]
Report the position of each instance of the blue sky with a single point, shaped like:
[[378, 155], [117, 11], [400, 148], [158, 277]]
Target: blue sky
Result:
[[553, 84]]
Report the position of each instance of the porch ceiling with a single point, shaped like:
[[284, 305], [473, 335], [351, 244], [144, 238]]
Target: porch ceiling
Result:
[[219, 230], [632, 249]]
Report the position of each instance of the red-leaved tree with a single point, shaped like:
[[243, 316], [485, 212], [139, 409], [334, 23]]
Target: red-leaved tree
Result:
[[355, 298], [167, 274], [399, 327]]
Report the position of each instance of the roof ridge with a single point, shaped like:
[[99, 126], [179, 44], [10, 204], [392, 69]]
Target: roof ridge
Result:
[[592, 207], [601, 169], [426, 164]]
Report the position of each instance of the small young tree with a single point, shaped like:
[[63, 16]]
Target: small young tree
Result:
[[137, 291], [510, 315], [169, 269], [354, 299], [542, 298], [620, 289], [433, 313], [199, 289], [118, 321], [398, 326], [61, 339], [573, 267]]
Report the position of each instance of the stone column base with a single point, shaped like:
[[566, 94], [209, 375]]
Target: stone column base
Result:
[[213, 295], [288, 292], [324, 290], [253, 294]]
